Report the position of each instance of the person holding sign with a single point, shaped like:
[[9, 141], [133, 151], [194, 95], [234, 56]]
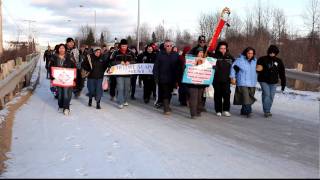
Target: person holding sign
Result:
[[124, 57], [196, 90], [221, 82], [166, 72], [202, 42], [96, 65], [61, 59]]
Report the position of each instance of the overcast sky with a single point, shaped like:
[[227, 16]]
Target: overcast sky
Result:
[[58, 19]]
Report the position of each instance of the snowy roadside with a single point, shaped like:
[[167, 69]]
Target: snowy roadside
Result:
[[24, 92]]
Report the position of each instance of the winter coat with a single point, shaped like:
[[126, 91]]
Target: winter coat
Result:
[[166, 68], [98, 69], [273, 69], [246, 75], [66, 63], [223, 67]]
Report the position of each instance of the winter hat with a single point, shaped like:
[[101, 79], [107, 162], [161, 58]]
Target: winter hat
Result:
[[69, 39], [202, 38], [273, 49], [96, 49], [198, 50], [123, 42]]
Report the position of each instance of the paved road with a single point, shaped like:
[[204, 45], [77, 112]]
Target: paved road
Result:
[[139, 142]]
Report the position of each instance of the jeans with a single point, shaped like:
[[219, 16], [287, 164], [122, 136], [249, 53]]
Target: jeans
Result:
[[64, 97], [268, 93], [123, 87], [95, 89]]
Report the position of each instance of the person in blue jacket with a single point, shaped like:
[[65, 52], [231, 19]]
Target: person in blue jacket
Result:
[[244, 76]]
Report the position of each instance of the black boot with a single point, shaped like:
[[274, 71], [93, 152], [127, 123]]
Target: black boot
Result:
[[90, 103], [98, 105]]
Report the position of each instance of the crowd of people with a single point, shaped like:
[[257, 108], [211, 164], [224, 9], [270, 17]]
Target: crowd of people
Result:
[[244, 72]]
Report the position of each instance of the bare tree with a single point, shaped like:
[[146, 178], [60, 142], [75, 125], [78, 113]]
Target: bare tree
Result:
[[145, 33], [208, 22], [160, 33], [279, 28], [312, 19], [236, 26], [187, 37], [249, 26]]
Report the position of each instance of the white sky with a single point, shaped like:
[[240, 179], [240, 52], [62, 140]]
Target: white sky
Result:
[[53, 23]]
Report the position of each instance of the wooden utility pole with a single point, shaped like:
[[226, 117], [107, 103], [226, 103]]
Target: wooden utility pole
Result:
[[1, 37]]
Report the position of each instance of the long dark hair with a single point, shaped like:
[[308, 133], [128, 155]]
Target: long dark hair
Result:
[[58, 47], [244, 53]]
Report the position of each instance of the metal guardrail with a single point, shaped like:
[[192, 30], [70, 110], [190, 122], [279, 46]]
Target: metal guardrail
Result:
[[303, 76], [10, 83]]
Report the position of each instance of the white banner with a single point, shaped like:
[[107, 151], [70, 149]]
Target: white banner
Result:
[[146, 69]]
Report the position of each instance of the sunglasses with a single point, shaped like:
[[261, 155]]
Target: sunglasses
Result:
[[169, 46], [202, 42]]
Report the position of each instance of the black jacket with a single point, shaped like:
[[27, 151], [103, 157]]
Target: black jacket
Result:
[[116, 57], [99, 66], [273, 69], [166, 68], [223, 67], [67, 63]]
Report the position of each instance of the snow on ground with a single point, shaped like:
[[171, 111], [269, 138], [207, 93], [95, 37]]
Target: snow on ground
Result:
[[139, 142]]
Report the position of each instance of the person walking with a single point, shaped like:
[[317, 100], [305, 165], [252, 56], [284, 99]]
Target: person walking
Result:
[[62, 59], [123, 57], [166, 72], [221, 82], [244, 76], [270, 69], [96, 65]]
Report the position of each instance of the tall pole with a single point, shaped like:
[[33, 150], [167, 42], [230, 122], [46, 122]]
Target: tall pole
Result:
[[1, 38], [95, 23], [138, 29]]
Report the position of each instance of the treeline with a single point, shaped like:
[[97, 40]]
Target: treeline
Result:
[[263, 25]]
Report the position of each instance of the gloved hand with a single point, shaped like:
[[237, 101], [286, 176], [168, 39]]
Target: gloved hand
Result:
[[236, 68]]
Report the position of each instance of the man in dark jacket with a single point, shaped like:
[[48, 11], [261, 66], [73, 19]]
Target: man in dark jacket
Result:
[[221, 82], [124, 57], [47, 57], [166, 72], [270, 68], [74, 54]]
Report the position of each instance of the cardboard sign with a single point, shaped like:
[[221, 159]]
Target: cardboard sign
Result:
[[199, 74], [63, 77], [141, 69]]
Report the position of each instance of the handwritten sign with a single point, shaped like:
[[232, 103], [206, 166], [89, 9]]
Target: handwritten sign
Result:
[[199, 74], [63, 77], [145, 68]]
